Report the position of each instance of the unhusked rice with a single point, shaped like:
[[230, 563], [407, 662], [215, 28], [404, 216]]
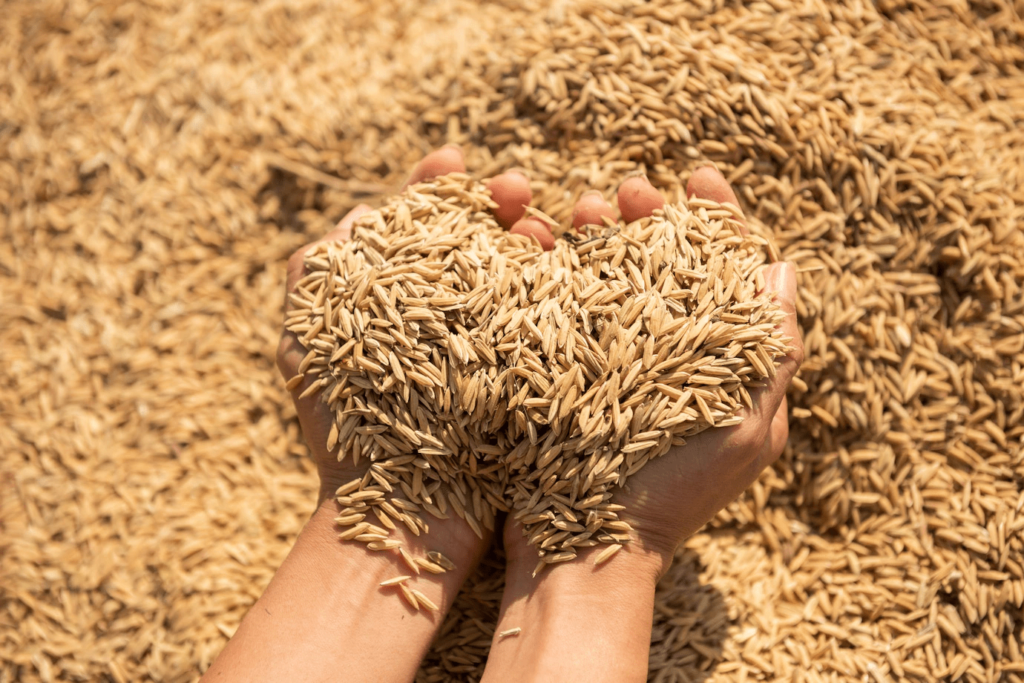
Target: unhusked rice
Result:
[[472, 370], [159, 161]]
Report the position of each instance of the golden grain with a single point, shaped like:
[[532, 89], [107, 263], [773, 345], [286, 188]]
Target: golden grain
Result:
[[395, 581], [606, 554], [423, 600], [878, 144], [478, 416]]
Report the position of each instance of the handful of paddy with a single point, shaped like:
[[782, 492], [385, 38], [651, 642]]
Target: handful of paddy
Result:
[[475, 372]]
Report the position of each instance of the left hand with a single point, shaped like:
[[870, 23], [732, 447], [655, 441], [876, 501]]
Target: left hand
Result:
[[511, 191], [325, 611]]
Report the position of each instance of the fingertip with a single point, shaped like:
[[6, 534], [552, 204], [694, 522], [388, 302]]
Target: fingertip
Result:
[[590, 209], [708, 183], [638, 198], [447, 159], [532, 227], [511, 192]]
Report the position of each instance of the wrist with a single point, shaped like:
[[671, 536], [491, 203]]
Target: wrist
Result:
[[633, 564], [577, 621], [644, 559], [326, 611], [451, 537]]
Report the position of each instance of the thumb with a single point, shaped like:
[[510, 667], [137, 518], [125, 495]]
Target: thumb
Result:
[[343, 230], [289, 350], [780, 284]]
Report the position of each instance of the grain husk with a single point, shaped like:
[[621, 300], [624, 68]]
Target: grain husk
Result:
[[153, 473], [522, 353]]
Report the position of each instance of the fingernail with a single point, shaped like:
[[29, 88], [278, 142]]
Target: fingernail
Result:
[[452, 145], [591, 193]]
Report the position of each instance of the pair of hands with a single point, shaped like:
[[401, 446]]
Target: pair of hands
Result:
[[672, 496], [324, 615]]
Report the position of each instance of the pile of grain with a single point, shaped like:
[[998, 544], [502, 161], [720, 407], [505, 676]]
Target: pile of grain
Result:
[[472, 369], [159, 161]]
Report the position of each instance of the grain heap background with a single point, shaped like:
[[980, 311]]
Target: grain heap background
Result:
[[159, 161]]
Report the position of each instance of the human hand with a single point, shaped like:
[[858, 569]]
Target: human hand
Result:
[[674, 495], [511, 193], [455, 538], [324, 612], [610, 607]]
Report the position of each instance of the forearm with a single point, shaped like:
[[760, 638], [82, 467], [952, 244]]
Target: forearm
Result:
[[577, 622], [324, 614]]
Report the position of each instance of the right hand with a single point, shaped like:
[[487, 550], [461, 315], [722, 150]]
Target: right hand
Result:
[[674, 495]]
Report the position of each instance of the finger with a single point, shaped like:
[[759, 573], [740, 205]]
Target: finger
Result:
[[511, 192], [440, 162], [638, 198], [590, 209], [708, 183], [532, 227], [290, 353]]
